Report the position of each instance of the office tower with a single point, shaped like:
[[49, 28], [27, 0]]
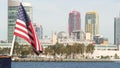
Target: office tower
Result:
[[91, 23], [12, 16], [117, 30], [74, 22], [39, 30]]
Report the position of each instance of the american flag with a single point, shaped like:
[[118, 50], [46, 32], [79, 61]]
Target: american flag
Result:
[[24, 29]]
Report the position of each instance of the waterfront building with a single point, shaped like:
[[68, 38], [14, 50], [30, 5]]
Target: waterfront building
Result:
[[78, 35], [105, 50], [12, 16], [98, 39], [74, 22], [105, 47], [62, 37], [91, 23], [39, 30], [46, 41]]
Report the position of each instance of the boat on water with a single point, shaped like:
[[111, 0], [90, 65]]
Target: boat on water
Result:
[[5, 62]]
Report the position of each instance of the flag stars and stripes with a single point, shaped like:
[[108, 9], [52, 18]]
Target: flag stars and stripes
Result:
[[25, 30], [22, 15]]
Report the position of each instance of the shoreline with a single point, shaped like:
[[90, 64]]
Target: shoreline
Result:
[[64, 60]]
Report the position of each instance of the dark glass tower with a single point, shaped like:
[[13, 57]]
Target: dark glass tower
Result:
[[117, 30]]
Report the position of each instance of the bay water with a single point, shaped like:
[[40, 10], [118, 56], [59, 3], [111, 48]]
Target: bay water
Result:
[[65, 65]]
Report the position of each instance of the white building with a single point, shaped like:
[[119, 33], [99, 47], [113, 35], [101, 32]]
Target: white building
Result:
[[88, 36]]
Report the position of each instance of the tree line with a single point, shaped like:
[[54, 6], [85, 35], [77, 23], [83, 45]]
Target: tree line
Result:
[[69, 51], [58, 50], [19, 50]]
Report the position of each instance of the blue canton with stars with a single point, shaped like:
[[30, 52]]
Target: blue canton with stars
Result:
[[22, 15]]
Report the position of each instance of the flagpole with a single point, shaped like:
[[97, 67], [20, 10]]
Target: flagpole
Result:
[[12, 47]]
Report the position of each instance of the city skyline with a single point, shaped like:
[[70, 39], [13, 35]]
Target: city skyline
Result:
[[53, 15]]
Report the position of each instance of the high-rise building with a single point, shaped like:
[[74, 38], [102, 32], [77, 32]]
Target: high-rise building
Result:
[[74, 22], [91, 23], [39, 30], [12, 16], [117, 30]]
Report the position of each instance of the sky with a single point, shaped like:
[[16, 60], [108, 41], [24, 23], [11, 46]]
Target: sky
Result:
[[53, 15]]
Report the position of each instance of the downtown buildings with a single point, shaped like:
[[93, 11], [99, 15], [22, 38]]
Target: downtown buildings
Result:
[[91, 25]]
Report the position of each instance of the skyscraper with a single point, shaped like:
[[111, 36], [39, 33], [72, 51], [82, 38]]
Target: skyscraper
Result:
[[91, 23], [39, 30], [12, 15], [74, 22], [117, 30]]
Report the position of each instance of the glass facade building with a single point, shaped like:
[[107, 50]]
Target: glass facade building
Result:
[[91, 23], [74, 22], [12, 16], [117, 30], [39, 30]]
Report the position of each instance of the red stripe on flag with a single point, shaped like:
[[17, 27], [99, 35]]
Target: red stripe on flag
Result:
[[21, 24], [25, 30], [22, 36]]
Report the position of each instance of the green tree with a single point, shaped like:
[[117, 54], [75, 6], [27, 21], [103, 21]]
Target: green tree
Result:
[[116, 56], [90, 48], [68, 50]]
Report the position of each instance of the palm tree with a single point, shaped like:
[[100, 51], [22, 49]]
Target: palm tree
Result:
[[68, 50], [49, 50], [90, 49]]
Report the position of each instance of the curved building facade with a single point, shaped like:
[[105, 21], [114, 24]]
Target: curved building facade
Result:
[[74, 22]]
